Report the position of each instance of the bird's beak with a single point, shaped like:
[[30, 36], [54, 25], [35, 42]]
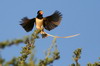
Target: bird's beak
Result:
[[41, 12]]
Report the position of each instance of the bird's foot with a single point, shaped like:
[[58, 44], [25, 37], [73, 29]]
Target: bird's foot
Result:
[[42, 32], [44, 35]]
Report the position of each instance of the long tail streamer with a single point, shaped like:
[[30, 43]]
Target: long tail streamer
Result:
[[62, 37]]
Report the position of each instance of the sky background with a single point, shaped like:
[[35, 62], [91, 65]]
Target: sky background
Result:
[[79, 16]]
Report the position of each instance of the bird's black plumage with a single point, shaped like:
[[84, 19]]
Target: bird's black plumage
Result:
[[27, 24], [49, 22], [52, 21]]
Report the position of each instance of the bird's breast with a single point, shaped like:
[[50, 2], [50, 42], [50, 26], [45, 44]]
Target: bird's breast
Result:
[[39, 22]]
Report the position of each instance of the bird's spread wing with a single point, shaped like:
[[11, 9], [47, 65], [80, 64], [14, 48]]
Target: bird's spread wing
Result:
[[52, 21], [27, 24]]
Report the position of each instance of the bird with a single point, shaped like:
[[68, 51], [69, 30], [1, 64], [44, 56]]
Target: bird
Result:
[[48, 22]]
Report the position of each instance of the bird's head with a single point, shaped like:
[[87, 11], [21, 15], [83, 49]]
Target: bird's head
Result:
[[40, 12]]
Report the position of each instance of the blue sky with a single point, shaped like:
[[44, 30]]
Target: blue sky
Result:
[[79, 16]]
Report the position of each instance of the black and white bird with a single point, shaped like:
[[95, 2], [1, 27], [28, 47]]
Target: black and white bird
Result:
[[49, 22]]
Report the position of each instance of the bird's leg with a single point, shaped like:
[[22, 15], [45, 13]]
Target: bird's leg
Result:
[[42, 31], [44, 34]]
